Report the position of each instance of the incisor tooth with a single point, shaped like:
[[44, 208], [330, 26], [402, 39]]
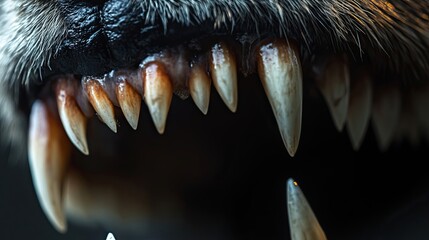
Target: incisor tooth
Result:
[[72, 117], [303, 223], [280, 72], [130, 101], [385, 114], [359, 109], [335, 87], [101, 103], [158, 92], [223, 70], [199, 86], [49, 156]]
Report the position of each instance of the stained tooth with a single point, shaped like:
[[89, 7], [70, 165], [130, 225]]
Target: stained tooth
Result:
[[223, 71], [199, 86], [385, 114], [302, 221], [359, 109], [49, 153], [280, 72], [101, 103], [335, 87], [130, 102], [72, 117], [158, 92]]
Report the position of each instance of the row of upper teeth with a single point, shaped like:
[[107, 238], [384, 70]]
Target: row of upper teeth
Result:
[[349, 99]]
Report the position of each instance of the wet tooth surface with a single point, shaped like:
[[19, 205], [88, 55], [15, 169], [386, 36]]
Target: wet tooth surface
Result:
[[303, 223], [100, 102], [281, 75], [72, 117], [223, 70], [199, 86], [129, 101], [158, 93], [49, 156]]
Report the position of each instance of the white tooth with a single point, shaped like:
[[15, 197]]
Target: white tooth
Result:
[[130, 102], [385, 114], [101, 103], [110, 237], [359, 109], [72, 117], [335, 87], [223, 71], [199, 86], [280, 72], [158, 92], [49, 156], [303, 223]]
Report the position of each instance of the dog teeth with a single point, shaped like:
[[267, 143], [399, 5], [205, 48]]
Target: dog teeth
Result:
[[100, 102], [223, 70], [359, 108], [49, 155], [303, 223], [334, 84], [72, 117], [281, 75], [199, 86], [129, 101], [158, 93]]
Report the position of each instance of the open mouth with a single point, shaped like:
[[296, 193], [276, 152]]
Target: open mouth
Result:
[[160, 131]]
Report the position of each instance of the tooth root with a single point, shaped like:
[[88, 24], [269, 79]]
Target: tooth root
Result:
[[280, 72], [72, 117], [303, 223], [335, 87], [385, 114], [49, 155], [130, 102], [223, 71], [199, 86], [359, 109], [158, 92], [101, 103]]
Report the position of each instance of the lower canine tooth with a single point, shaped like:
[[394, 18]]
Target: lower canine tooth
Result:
[[130, 102], [281, 75], [223, 70], [158, 92], [49, 154], [72, 117], [199, 86], [334, 83], [302, 221], [100, 102]]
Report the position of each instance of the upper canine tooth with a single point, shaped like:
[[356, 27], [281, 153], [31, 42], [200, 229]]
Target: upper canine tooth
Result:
[[199, 86], [49, 155], [223, 70], [158, 93], [334, 83], [385, 114], [303, 223], [72, 117], [281, 75], [359, 108], [100, 102], [130, 101]]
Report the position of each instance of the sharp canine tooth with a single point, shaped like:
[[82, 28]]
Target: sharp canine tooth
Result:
[[199, 86], [302, 221], [158, 92], [223, 71], [335, 87], [280, 72], [385, 114], [49, 153], [72, 117], [359, 109], [130, 102], [101, 103]]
